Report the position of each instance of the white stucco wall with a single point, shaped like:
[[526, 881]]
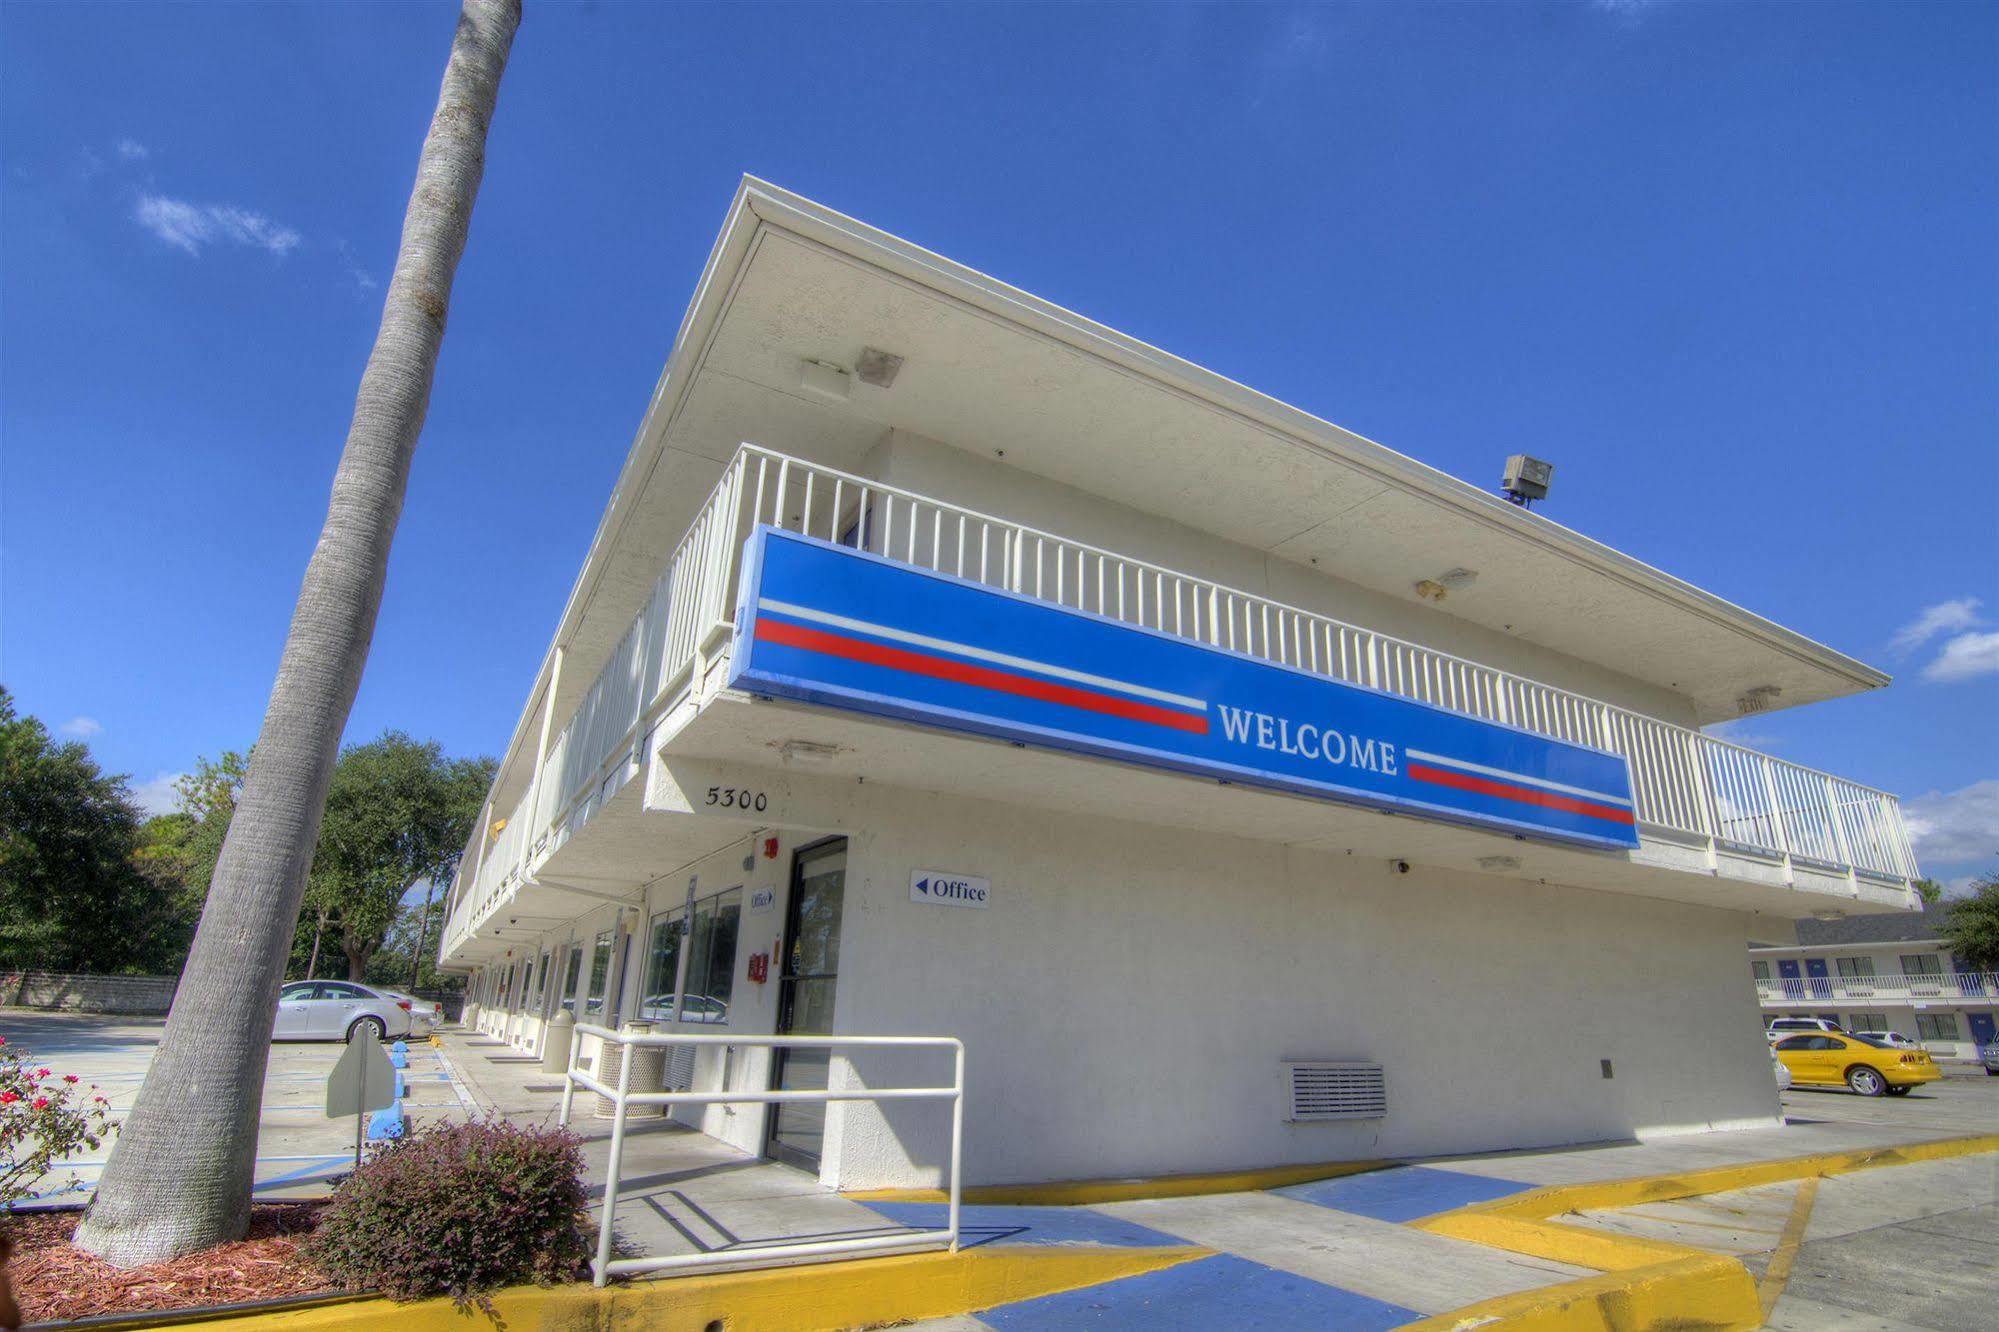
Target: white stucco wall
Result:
[[1128, 995]]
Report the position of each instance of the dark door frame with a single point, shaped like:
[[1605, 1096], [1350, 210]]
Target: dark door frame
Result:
[[787, 992]]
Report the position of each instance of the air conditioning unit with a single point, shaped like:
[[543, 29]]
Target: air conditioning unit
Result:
[[1317, 1089]]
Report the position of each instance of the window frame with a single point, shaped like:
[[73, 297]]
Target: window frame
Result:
[[700, 969], [1936, 1020]]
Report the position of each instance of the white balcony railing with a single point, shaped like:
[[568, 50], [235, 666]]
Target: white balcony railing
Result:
[[1898, 989], [1684, 783]]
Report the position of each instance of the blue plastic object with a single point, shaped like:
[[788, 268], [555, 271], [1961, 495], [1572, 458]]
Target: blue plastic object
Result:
[[388, 1123]]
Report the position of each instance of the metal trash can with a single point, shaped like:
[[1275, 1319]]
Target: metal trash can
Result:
[[648, 1073]]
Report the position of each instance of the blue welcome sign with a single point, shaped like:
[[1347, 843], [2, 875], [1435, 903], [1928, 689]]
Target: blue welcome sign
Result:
[[835, 626]]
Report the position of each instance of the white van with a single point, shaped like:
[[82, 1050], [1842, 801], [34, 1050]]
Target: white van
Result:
[[1785, 1026]]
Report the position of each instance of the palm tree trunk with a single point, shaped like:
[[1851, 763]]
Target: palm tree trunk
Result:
[[179, 1177]]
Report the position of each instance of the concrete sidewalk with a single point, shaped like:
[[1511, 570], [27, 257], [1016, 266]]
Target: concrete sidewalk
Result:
[[1907, 1245]]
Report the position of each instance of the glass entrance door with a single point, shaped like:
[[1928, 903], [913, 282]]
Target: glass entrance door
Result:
[[805, 996]]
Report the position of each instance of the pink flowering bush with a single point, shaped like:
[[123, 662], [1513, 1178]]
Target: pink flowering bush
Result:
[[43, 1119]]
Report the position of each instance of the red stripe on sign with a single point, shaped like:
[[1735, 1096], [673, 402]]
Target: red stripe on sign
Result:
[[1526, 795], [786, 634]]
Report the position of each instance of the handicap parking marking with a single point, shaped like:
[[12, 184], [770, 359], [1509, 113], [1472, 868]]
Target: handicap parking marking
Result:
[[1403, 1193], [1214, 1292], [317, 1170], [997, 1223]]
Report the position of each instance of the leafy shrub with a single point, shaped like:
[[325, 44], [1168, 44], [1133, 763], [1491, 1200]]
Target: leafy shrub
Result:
[[43, 1119], [458, 1210]]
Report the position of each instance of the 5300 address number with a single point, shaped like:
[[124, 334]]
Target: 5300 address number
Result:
[[738, 797]]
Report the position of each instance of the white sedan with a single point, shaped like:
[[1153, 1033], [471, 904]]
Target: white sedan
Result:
[[326, 1010], [426, 1015]]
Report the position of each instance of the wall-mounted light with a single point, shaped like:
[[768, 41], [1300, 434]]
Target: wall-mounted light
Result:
[[825, 379], [806, 751]]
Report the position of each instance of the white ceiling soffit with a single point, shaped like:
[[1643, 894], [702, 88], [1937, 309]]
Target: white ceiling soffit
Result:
[[1077, 402]]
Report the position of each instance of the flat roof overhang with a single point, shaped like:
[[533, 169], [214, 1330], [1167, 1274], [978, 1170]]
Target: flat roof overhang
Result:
[[990, 366]]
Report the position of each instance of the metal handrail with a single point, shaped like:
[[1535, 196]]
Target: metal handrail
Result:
[[1905, 985], [1684, 782], [603, 1267]]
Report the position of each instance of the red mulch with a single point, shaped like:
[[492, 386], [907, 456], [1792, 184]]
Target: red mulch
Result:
[[53, 1280]]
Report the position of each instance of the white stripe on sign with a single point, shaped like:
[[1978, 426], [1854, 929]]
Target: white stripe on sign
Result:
[[979, 653], [1506, 776]]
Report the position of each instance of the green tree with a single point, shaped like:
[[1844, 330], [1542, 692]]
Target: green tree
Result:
[[414, 935], [1972, 926], [67, 832], [1929, 890], [398, 813], [179, 1177]]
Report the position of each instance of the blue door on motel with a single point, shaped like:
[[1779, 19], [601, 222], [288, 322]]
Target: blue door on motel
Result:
[[1815, 971], [1787, 971], [1983, 1029]]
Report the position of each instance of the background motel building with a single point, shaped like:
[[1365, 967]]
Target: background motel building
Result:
[[983, 672], [1891, 972]]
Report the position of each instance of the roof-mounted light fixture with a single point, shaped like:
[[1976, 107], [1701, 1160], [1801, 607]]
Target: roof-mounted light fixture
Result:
[[1526, 479]]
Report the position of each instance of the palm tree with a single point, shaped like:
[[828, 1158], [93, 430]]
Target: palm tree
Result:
[[179, 1178]]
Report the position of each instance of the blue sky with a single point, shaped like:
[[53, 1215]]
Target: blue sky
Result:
[[1732, 266]]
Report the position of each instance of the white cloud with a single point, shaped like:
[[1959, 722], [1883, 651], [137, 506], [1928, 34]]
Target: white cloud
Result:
[[1943, 618], [133, 151], [188, 226], [158, 796], [1737, 732], [1965, 658], [1953, 827], [364, 281], [82, 727]]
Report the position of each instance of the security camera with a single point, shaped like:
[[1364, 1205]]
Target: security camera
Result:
[[1401, 866]]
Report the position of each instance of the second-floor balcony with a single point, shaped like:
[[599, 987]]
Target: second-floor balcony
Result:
[[1920, 988], [1715, 806]]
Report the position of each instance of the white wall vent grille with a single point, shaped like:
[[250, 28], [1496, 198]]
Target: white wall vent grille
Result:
[[1333, 1089], [680, 1069]]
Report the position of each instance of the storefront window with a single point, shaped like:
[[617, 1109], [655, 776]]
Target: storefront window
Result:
[[711, 961], [600, 979], [569, 976]]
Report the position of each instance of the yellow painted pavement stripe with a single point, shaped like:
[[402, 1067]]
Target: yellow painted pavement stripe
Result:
[[1087, 1192], [806, 1298], [1778, 1273], [1647, 1283], [1708, 1293]]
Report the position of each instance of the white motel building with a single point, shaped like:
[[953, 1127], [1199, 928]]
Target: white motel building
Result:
[[1891, 972], [1240, 791]]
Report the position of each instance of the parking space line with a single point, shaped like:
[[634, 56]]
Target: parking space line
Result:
[[1778, 1274]]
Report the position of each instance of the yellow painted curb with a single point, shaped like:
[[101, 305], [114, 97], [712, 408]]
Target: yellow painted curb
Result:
[[1648, 1283], [1087, 1192], [1710, 1293], [806, 1298]]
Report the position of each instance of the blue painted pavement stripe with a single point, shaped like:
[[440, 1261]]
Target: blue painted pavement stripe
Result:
[[1219, 1292], [1402, 1193], [1000, 1224], [318, 1170]]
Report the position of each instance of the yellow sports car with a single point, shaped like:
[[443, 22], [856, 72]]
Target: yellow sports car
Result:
[[1870, 1067]]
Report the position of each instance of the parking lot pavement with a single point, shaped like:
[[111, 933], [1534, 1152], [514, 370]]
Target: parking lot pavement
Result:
[[299, 1150]]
